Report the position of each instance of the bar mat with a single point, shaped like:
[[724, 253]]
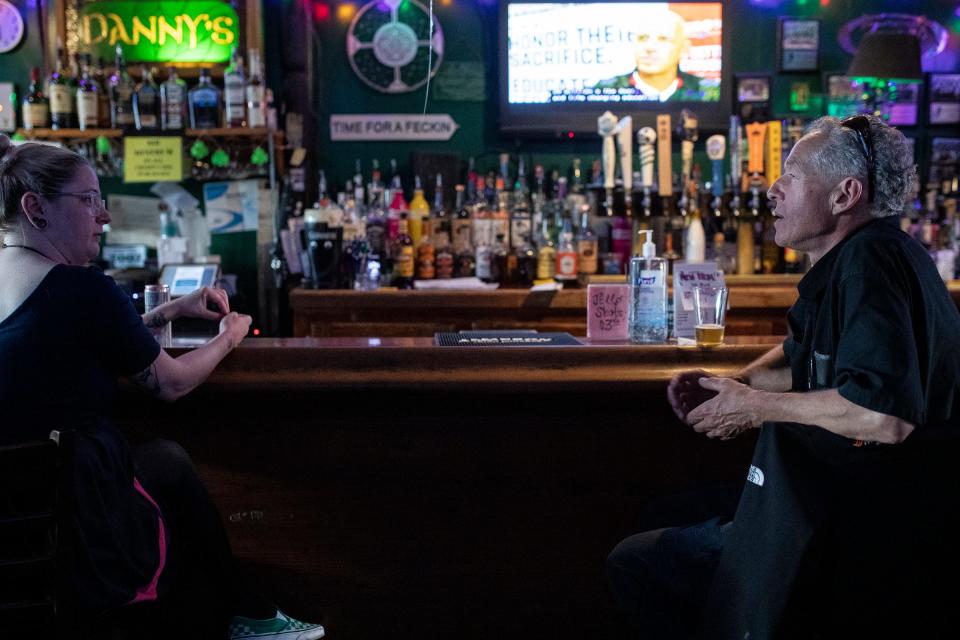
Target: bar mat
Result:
[[504, 339]]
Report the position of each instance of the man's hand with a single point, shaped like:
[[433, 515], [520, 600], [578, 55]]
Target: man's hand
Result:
[[685, 393], [201, 304], [731, 411]]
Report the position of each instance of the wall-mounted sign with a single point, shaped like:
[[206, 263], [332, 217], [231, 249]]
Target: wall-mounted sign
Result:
[[162, 31], [152, 158], [799, 44], [390, 46], [392, 126]]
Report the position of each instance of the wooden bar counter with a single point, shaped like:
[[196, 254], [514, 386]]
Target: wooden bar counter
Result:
[[403, 490]]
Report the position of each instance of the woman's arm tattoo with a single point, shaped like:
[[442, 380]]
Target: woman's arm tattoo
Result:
[[148, 380], [156, 320]]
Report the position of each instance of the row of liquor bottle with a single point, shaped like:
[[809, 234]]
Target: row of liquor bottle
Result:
[[520, 236], [515, 238], [83, 96]]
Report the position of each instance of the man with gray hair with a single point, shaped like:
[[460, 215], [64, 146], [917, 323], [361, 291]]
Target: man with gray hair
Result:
[[844, 522]]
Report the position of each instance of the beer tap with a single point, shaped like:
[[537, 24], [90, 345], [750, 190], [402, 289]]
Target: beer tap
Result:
[[756, 132], [688, 127], [606, 127], [624, 133], [645, 139], [735, 139], [716, 146]]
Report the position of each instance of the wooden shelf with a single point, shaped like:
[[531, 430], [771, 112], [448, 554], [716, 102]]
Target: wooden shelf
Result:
[[77, 134]]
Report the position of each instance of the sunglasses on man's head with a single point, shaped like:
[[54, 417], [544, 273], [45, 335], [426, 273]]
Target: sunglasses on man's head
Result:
[[861, 126]]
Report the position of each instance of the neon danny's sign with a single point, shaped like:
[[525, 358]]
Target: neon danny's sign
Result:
[[162, 31]]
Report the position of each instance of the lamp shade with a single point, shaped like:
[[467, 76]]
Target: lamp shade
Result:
[[887, 55]]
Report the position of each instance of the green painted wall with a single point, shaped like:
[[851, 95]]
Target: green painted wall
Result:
[[470, 30]]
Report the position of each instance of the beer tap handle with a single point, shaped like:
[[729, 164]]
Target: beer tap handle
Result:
[[606, 127], [646, 136], [625, 146]]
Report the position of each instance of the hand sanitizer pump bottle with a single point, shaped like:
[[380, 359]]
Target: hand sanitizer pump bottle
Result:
[[648, 295]]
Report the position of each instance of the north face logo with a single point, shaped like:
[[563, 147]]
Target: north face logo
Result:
[[755, 476]]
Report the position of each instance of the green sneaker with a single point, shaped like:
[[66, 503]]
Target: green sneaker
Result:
[[282, 627]]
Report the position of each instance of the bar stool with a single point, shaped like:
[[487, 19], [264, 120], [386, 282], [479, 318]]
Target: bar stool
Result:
[[36, 509]]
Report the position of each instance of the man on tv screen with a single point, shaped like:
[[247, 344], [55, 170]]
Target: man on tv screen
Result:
[[657, 47]]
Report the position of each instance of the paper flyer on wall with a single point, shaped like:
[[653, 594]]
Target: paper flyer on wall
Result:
[[232, 206], [686, 276]]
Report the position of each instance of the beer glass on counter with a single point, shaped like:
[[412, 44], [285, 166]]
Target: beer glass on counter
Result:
[[710, 311]]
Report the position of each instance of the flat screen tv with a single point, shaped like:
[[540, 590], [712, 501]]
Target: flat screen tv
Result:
[[562, 64]]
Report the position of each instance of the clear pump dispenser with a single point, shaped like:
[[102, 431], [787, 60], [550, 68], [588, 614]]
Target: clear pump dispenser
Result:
[[648, 295]]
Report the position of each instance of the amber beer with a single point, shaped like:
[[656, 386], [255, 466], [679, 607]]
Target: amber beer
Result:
[[708, 335]]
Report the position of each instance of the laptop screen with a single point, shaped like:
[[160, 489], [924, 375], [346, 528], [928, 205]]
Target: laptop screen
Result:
[[187, 278]]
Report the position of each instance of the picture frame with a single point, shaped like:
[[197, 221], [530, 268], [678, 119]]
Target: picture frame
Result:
[[898, 108], [752, 96], [944, 98], [798, 45]]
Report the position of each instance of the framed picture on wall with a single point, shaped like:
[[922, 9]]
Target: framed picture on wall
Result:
[[799, 44], [752, 97], [897, 102], [944, 98]]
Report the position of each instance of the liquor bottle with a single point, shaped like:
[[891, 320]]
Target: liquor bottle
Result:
[[173, 101], [61, 98], [234, 92], [504, 263], [538, 198], [256, 92], [121, 95], [587, 246], [146, 103], [36, 107], [403, 258], [566, 269], [441, 218], [520, 221], [526, 263], [377, 228], [462, 227], [88, 98], [546, 254], [204, 103], [419, 209], [426, 255], [103, 95], [398, 207], [482, 224], [500, 214], [484, 261]]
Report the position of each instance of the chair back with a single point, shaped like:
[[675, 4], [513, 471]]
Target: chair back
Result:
[[36, 592]]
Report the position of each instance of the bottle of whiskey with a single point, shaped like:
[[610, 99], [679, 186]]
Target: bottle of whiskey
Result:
[[122, 89], [462, 229], [36, 107], [103, 95], [546, 254], [566, 269], [204, 101], [88, 98], [256, 92], [234, 93], [61, 97], [403, 256], [146, 103], [441, 218], [173, 101]]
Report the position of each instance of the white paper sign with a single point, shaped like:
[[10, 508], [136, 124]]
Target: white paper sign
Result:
[[135, 219], [392, 126], [231, 206], [686, 276]]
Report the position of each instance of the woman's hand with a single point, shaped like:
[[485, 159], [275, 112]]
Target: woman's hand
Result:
[[206, 303], [235, 326]]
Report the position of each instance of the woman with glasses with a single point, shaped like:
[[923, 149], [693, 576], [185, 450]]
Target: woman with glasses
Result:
[[145, 528]]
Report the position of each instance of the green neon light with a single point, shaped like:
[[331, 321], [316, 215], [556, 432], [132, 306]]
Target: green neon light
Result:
[[160, 31]]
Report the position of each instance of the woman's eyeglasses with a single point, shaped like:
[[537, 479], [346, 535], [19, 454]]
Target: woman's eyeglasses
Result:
[[861, 126], [92, 201]]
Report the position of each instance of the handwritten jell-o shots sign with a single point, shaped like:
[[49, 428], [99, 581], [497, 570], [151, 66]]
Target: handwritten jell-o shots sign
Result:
[[607, 306]]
